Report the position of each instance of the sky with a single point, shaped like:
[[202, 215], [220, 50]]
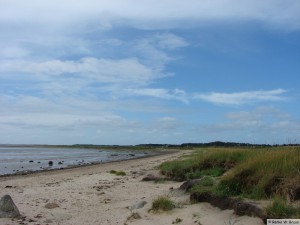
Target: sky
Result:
[[149, 71]]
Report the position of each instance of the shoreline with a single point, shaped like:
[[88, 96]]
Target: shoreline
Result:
[[25, 173], [91, 195]]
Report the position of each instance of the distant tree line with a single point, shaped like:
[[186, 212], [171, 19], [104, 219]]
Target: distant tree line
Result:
[[156, 146], [212, 144]]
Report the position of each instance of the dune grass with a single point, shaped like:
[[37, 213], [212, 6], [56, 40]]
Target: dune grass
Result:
[[163, 203], [118, 173], [255, 173], [264, 175], [208, 161], [280, 209]]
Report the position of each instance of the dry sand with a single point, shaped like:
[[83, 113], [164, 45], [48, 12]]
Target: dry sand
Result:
[[91, 195]]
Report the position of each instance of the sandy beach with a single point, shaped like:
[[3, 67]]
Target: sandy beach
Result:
[[91, 195]]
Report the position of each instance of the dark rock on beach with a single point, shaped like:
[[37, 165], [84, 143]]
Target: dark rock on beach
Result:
[[151, 177], [51, 205], [8, 209], [186, 186]]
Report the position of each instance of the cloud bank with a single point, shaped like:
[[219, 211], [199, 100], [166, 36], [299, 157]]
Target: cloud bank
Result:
[[141, 13]]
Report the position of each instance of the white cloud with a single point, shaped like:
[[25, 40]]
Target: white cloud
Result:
[[80, 120], [129, 71], [240, 98], [27, 112], [260, 125], [280, 13], [143, 64], [175, 94], [155, 49], [169, 41]]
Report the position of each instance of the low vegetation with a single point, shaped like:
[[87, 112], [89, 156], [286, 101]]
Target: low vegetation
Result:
[[280, 209], [163, 203], [213, 162], [177, 220], [272, 172], [118, 173], [255, 173]]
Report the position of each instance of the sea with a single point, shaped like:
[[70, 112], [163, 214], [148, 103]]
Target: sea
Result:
[[14, 160]]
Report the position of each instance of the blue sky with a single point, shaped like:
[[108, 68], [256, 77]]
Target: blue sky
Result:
[[141, 71]]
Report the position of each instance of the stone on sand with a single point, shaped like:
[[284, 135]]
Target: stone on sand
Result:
[[8, 209], [138, 205], [57, 217], [51, 205]]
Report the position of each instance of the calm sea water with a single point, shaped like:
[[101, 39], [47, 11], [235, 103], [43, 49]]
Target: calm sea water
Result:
[[23, 159]]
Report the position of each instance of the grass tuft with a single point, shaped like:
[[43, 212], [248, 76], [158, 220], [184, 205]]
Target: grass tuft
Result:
[[177, 220], [163, 203], [118, 173]]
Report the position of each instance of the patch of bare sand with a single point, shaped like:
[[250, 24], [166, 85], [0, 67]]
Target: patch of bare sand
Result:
[[91, 195]]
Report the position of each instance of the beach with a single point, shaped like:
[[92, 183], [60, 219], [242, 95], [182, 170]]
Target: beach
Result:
[[28, 159], [92, 195]]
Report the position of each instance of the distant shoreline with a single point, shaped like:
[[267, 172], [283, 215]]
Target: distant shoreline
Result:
[[70, 167], [152, 146]]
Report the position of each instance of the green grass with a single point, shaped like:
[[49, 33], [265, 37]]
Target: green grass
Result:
[[207, 182], [280, 209], [118, 173], [207, 185], [208, 161], [264, 175], [163, 203], [178, 169], [214, 172], [255, 173]]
